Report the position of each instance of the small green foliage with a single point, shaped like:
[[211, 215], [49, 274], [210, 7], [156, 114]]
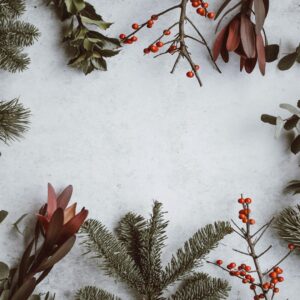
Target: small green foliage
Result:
[[3, 215], [289, 60], [91, 47], [14, 120], [14, 36], [133, 256]]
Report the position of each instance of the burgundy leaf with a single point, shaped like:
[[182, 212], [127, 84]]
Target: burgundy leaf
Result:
[[260, 15], [234, 38], [250, 64], [55, 227], [248, 36], [64, 198], [25, 262], [25, 290], [52, 202], [219, 43], [261, 54]]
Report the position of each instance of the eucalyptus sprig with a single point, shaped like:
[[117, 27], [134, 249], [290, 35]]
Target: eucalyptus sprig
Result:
[[91, 47]]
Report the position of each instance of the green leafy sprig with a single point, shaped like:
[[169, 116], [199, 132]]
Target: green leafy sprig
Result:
[[133, 256], [14, 36], [91, 47]]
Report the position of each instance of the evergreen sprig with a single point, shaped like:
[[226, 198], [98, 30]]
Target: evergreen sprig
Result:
[[133, 255], [14, 36], [288, 225], [91, 47], [14, 120]]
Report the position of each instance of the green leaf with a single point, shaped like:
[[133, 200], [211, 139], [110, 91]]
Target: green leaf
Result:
[[287, 61], [3, 215], [4, 271], [272, 52], [101, 24], [74, 6], [99, 64], [268, 119], [93, 293], [295, 147], [108, 53]]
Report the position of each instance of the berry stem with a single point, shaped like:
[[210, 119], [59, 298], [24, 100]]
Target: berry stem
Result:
[[279, 262]]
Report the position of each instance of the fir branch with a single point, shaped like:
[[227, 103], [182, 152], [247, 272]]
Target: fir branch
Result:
[[201, 286], [11, 9], [195, 250], [151, 248], [18, 33], [13, 60], [130, 231], [116, 261], [288, 225], [14, 120], [93, 293]]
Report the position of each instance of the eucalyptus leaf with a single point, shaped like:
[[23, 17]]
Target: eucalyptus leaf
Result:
[[4, 271], [278, 127], [287, 61], [3, 215], [101, 24], [293, 110], [291, 122], [268, 119], [295, 147], [272, 52], [16, 224]]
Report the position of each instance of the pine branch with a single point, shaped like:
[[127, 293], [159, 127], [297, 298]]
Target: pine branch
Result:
[[93, 293], [130, 230], [293, 187], [11, 9], [203, 287], [151, 248], [14, 120], [288, 225], [17, 34], [116, 261], [195, 250], [13, 60]]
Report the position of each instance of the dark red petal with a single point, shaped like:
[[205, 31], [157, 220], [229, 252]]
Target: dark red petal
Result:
[[261, 54], [250, 64], [52, 202], [44, 221], [74, 224], [234, 38], [64, 198], [248, 36], [219, 43]]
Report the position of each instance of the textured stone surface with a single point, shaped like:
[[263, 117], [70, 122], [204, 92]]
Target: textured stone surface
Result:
[[136, 133]]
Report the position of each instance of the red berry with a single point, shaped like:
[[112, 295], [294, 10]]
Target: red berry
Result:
[[252, 279], [172, 49], [273, 275], [291, 246], [167, 32], [146, 50], [266, 285], [197, 67], [241, 201], [248, 277], [245, 220], [242, 216], [205, 4], [128, 41], [245, 280], [153, 48], [276, 290], [278, 270], [154, 17], [243, 273], [134, 38], [190, 74], [211, 15], [261, 296], [247, 268], [201, 11], [274, 280], [150, 22], [219, 262], [122, 36], [159, 44], [252, 287], [280, 278], [196, 3], [248, 200], [135, 26], [252, 221]]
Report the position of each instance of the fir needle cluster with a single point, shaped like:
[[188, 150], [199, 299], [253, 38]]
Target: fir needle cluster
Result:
[[14, 36], [133, 256]]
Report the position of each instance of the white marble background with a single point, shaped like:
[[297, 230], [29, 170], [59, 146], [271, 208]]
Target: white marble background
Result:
[[136, 133]]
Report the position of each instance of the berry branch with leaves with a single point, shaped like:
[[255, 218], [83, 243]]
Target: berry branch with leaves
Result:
[[263, 284], [175, 38]]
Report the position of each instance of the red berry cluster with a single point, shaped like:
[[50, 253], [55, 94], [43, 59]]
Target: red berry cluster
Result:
[[202, 9], [244, 214]]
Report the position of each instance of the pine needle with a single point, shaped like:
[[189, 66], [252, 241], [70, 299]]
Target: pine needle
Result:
[[93, 293]]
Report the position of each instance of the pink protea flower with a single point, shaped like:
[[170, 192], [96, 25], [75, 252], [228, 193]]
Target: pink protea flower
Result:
[[59, 205]]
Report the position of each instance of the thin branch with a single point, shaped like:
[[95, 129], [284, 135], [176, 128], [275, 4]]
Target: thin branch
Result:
[[279, 262], [264, 252]]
